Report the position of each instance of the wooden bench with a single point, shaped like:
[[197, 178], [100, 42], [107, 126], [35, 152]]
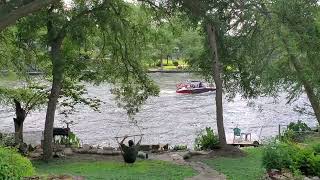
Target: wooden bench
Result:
[[61, 132]]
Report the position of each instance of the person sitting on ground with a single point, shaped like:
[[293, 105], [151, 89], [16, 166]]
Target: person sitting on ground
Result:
[[130, 152]]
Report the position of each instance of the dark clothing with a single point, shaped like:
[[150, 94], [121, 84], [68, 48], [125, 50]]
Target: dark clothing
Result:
[[130, 153]]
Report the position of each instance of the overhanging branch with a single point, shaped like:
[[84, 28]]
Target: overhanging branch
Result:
[[15, 13]]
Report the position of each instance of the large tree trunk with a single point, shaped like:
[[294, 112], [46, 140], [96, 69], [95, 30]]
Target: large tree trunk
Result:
[[18, 122], [314, 101], [13, 10], [212, 34], [58, 67]]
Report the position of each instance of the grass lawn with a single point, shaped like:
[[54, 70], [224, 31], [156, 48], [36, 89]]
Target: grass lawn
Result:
[[169, 67], [242, 168], [8, 80], [141, 170], [312, 140], [170, 62], [10, 76], [167, 64]]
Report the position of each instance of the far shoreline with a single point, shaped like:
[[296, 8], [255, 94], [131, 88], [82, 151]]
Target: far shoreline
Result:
[[35, 73], [171, 71]]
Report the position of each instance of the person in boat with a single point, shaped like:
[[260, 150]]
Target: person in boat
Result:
[[130, 152]]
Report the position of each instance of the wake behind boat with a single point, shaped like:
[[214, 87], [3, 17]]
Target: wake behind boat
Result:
[[193, 87]]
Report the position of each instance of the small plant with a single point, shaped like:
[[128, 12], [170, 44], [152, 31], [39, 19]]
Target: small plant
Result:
[[291, 136], [7, 140], [71, 140], [207, 140], [13, 165], [175, 63], [296, 132]]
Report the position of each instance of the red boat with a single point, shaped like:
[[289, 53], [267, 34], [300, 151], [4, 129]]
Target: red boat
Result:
[[193, 87]]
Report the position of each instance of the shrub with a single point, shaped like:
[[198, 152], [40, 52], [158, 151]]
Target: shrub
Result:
[[175, 63], [289, 156], [13, 165], [277, 156], [306, 162], [299, 126], [70, 141], [296, 132], [317, 165], [207, 140], [291, 136], [316, 148]]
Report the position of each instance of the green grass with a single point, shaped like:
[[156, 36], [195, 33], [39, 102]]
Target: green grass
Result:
[[310, 141], [169, 67], [8, 80], [141, 170], [168, 64], [243, 168], [10, 76]]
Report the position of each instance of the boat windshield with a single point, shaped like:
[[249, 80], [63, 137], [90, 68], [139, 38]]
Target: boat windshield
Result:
[[191, 84], [196, 84]]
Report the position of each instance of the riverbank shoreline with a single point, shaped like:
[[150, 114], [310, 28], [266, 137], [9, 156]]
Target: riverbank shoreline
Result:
[[37, 73], [171, 71]]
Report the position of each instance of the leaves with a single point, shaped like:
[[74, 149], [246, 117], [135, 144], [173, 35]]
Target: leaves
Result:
[[74, 94], [31, 96], [103, 41]]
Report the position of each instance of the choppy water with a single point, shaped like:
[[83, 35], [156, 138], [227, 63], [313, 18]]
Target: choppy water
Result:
[[170, 118]]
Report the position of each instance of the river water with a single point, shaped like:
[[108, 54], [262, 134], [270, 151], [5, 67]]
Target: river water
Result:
[[170, 118]]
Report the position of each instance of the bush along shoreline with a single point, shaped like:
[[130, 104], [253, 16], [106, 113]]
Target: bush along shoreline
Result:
[[296, 154]]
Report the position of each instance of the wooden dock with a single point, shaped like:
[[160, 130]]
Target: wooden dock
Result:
[[246, 144]]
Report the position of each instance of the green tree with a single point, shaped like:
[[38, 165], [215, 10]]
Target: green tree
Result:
[[92, 41], [300, 40], [281, 53], [23, 100], [33, 96], [173, 38], [191, 44], [257, 47], [164, 37], [213, 16]]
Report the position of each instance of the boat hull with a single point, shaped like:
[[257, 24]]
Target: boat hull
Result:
[[195, 90]]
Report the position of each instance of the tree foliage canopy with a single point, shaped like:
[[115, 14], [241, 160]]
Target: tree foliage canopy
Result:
[[103, 41]]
